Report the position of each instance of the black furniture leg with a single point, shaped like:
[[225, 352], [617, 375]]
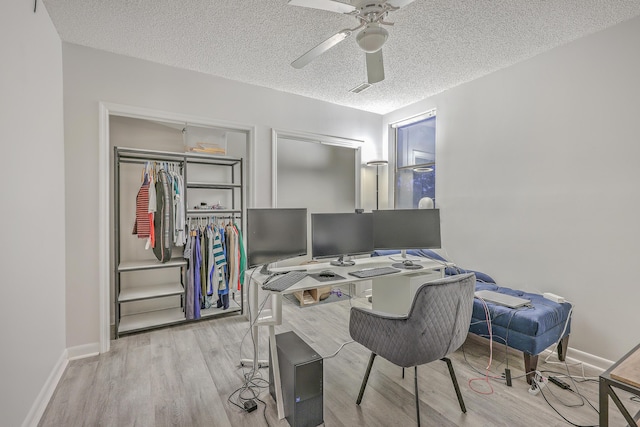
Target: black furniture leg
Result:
[[563, 345], [455, 384], [366, 378], [417, 398], [530, 366]]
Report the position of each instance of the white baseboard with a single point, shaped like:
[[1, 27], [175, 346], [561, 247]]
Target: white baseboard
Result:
[[573, 355], [41, 402], [82, 351], [588, 359]]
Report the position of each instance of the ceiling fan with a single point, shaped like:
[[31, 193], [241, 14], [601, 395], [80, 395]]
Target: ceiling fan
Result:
[[371, 16]]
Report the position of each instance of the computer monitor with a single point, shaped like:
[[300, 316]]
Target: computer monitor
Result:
[[275, 234], [406, 229], [341, 235]]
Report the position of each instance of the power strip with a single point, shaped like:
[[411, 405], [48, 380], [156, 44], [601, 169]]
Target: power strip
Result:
[[557, 381], [539, 382], [250, 405], [554, 297]]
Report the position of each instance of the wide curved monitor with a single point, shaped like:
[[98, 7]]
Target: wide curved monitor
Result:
[[340, 235], [275, 234]]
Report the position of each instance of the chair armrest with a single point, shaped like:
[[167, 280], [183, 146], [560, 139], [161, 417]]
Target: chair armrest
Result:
[[385, 334]]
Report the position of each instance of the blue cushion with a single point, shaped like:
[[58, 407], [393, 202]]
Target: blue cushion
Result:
[[480, 276], [427, 253], [529, 329]]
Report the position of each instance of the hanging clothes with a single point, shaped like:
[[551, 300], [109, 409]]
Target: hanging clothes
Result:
[[219, 281], [142, 226], [152, 204], [189, 297], [203, 266], [223, 288], [179, 230], [233, 255], [243, 256], [163, 220], [197, 294], [211, 265]]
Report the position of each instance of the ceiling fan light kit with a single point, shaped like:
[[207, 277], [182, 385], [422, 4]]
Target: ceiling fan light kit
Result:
[[371, 16], [372, 38]]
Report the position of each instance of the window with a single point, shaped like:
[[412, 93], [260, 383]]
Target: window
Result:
[[415, 160]]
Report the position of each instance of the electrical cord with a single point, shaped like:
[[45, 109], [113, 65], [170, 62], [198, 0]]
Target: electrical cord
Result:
[[495, 376], [575, 385], [252, 379], [338, 350], [573, 390], [566, 325], [485, 378], [264, 410], [558, 412], [490, 317], [250, 390]]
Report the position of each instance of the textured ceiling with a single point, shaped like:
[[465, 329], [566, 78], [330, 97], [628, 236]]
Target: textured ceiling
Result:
[[434, 45]]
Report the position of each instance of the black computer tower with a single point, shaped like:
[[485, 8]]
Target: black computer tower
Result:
[[301, 375]]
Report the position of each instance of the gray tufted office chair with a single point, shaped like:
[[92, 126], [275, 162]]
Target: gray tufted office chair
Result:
[[437, 325]]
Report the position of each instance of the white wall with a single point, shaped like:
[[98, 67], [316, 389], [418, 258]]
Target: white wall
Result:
[[91, 76], [538, 180], [32, 307]]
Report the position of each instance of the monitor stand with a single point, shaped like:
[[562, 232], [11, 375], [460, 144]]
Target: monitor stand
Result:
[[403, 257], [265, 270], [343, 261], [408, 263]]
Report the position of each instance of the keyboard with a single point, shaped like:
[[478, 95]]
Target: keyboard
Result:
[[284, 281], [373, 272]]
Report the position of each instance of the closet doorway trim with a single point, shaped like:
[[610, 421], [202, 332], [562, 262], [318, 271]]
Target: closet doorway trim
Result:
[[105, 178], [354, 144]]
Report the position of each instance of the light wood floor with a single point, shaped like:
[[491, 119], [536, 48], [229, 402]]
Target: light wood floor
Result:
[[183, 376]]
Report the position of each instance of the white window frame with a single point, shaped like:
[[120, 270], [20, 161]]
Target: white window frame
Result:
[[393, 135]]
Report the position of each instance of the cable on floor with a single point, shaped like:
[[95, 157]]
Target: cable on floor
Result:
[[253, 383], [486, 377], [338, 350]]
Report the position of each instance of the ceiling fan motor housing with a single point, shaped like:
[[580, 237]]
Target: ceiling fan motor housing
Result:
[[373, 36]]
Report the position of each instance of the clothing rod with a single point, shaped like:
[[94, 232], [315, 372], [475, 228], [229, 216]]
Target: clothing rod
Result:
[[125, 152], [142, 162], [213, 216]]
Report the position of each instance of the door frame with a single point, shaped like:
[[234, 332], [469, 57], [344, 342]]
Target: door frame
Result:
[[106, 110]]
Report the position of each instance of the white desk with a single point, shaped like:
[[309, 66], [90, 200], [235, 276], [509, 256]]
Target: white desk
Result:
[[392, 293]]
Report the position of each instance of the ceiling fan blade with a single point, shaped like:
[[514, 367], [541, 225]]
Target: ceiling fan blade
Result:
[[320, 49], [399, 3], [375, 67], [330, 5]]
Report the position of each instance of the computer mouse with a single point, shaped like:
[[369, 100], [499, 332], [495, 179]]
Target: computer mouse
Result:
[[407, 263], [327, 273]]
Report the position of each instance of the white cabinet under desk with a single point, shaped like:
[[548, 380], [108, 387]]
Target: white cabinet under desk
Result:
[[394, 294]]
